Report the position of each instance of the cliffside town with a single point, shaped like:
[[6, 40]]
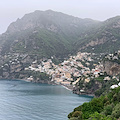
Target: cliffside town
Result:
[[83, 73], [68, 72]]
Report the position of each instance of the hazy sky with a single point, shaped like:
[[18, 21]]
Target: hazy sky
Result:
[[10, 10]]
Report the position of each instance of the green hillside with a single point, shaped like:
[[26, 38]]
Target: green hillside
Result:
[[49, 33], [45, 34], [104, 38], [102, 108]]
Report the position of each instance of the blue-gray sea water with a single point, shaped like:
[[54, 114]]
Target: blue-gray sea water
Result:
[[20, 100]]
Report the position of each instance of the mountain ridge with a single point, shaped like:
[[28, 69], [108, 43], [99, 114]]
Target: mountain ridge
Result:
[[62, 30], [57, 31]]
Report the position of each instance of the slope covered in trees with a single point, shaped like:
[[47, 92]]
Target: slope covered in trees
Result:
[[102, 108], [49, 33]]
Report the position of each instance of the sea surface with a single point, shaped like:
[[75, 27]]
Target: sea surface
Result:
[[20, 100]]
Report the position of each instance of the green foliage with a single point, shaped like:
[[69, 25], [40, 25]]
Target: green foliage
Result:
[[86, 109], [105, 86], [99, 92], [36, 75], [70, 115], [108, 109], [78, 108], [102, 108], [107, 103], [77, 114], [98, 116], [74, 118], [116, 111], [97, 104], [90, 84], [47, 36], [114, 97], [59, 35]]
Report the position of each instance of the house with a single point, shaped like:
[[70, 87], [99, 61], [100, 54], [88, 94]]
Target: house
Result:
[[107, 78], [114, 86], [67, 75], [96, 72], [66, 83], [87, 80], [76, 81]]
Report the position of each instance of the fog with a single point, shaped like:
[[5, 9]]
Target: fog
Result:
[[101, 10]]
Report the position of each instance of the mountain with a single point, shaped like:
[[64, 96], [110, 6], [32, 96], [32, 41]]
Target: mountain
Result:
[[45, 34], [29, 42], [49, 33], [105, 38]]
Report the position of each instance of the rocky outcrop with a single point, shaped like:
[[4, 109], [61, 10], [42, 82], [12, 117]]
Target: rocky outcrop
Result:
[[111, 68], [95, 42]]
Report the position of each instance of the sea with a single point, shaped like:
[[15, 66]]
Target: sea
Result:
[[21, 100]]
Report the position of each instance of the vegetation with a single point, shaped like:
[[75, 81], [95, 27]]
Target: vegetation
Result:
[[48, 35], [36, 75], [59, 35], [102, 108], [95, 85]]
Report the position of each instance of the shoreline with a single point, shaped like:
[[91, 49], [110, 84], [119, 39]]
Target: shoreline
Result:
[[70, 88]]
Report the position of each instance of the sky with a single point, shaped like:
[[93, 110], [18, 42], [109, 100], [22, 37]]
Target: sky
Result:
[[11, 10]]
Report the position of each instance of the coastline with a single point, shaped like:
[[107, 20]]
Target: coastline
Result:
[[70, 87]]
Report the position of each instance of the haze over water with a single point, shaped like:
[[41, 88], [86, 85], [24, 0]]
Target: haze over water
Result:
[[20, 100]]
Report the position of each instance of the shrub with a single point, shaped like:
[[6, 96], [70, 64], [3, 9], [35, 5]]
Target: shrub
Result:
[[105, 99], [70, 114], [108, 109], [77, 114], [116, 111], [78, 108], [107, 103], [74, 118], [97, 104], [98, 116], [114, 97]]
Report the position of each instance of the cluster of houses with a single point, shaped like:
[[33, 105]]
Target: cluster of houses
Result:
[[114, 56], [74, 67], [67, 73], [64, 73]]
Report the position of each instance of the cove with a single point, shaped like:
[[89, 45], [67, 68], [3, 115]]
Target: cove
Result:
[[20, 100]]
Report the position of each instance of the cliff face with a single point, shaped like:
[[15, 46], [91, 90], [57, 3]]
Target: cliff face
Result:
[[111, 68], [111, 63]]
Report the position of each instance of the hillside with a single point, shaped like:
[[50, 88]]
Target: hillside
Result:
[[98, 81], [45, 34], [55, 48], [103, 108], [49, 33], [49, 38], [104, 38]]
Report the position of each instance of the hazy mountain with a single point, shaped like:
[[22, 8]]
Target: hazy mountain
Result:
[[45, 34], [49, 33], [104, 38]]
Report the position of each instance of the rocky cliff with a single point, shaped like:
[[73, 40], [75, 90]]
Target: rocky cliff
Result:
[[111, 68], [111, 63]]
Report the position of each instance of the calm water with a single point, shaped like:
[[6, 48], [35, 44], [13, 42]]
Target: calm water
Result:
[[21, 100]]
